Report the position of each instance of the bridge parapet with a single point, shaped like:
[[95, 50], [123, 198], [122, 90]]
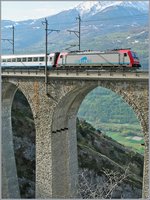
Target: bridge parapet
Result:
[[78, 74]]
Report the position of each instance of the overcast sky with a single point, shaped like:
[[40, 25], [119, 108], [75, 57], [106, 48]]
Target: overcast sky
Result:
[[22, 10]]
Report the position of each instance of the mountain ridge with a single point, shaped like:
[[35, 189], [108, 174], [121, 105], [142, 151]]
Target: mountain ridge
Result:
[[98, 6], [98, 30]]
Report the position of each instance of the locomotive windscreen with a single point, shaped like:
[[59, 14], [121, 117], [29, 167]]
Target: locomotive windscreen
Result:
[[134, 55]]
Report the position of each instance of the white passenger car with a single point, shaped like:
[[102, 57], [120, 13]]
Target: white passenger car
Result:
[[30, 60]]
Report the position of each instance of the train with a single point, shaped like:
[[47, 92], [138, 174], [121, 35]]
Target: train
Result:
[[110, 59]]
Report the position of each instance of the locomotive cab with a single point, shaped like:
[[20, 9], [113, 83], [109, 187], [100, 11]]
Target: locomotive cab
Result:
[[135, 60], [130, 58]]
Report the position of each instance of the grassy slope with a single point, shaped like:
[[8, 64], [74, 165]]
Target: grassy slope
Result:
[[106, 153]]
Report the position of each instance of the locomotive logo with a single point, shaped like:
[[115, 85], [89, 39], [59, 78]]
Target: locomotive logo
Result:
[[84, 60]]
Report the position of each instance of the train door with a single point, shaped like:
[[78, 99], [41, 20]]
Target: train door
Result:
[[124, 58], [51, 60], [121, 59], [61, 61]]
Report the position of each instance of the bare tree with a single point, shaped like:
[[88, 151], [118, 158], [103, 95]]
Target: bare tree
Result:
[[111, 180]]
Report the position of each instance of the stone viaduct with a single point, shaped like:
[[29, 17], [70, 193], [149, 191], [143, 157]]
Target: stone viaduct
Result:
[[55, 122]]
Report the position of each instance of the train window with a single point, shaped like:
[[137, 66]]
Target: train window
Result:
[[18, 59], [61, 56], [35, 59], [125, 54], [9, 60], [41, 58], [51, 58], [30, 59], [13, 59], [24, 59], [3, 60]]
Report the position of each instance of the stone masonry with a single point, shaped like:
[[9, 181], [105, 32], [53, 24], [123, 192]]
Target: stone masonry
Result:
[[55, 123]]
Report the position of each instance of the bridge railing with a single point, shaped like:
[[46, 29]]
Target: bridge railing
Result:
[[74, 73]]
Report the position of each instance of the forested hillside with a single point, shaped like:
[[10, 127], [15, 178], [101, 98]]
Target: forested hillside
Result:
[[108, 112]]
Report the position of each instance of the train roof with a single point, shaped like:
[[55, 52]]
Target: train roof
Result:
[[92, 52], [98, 51], [22, 55]]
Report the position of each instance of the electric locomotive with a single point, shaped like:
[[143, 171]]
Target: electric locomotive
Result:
[[122, 58]]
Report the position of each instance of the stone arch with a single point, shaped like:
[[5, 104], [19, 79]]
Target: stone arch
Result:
[[64, 121], [24, 89], [10, 185], [127, 92]]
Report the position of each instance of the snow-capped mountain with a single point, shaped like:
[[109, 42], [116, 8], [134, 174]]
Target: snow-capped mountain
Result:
[[93, 7]]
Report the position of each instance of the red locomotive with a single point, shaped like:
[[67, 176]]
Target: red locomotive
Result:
[[117, 58]]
